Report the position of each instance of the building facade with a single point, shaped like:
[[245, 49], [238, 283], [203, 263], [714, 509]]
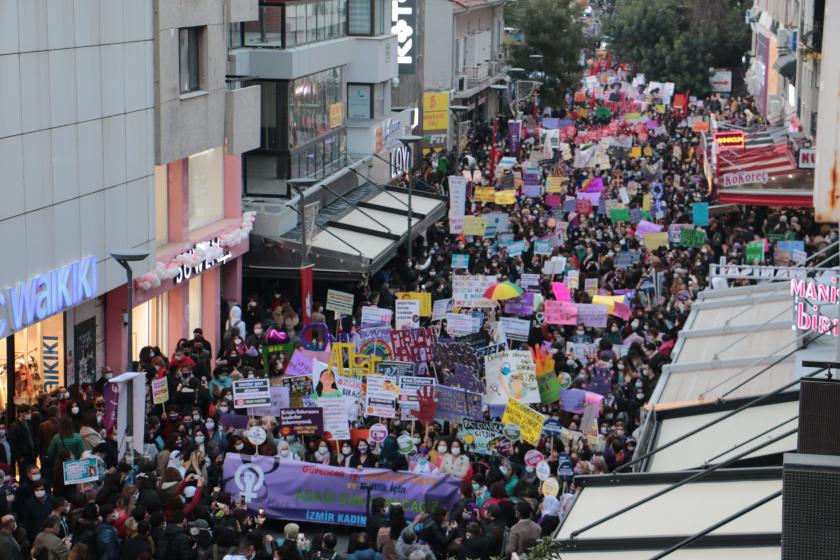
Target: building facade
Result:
[[93, 163]]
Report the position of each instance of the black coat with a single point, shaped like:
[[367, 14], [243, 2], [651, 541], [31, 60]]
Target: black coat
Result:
[[134, 547], [179, 544]]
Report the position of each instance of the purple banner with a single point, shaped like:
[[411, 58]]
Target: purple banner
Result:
[[522, 305], [514, 136], [111, 393], [297, 491]]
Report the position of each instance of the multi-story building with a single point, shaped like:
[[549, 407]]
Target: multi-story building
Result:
[[328, 69], [117, 130]]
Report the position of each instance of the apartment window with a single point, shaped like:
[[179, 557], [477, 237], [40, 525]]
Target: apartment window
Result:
[[366, 17], [206, 189], [161, 204], [188, 39]]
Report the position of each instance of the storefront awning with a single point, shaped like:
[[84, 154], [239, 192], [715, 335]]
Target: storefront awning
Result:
[[355, 234], [786, 66]]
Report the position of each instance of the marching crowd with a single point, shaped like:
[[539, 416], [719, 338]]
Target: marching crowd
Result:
[[170, 503]]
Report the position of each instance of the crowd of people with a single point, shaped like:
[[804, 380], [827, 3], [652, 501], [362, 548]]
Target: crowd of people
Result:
[[170, 502]]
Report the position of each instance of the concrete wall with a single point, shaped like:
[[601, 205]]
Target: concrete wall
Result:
[[76, 134], [288, 64], [193, 122], [439, 51], [374, 59]]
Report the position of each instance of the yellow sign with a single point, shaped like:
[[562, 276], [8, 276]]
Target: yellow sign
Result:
[[530, 421], [505, 198], [434, 101], [646, 202], [474, 225], [609, 301], [336, 114], [484, 194], [632, 116], [636, 151], [648, 151], [438, 120], [654, 241], [357, 364], [425, 299], [556, 185], [660, 108]]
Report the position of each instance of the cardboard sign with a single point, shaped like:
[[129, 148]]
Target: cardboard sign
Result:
[[341, 303], [460, 261], [474, 225], [408, 388], [484, 194], [248, 393], [439, 309], [468, 290], [755, 252], [529, 421], [560, 313], [516, 329], [522, 305], [425, 299], [592, 315], [376, 316], [692, 237], [700, 213], [454, 404], [301, 422], [160, 390]]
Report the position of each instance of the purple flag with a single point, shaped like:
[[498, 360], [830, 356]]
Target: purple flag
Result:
[[112, 396]]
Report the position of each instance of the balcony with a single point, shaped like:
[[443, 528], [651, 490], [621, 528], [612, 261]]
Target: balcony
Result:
[[286, 26], [242, 114], [476, 78]]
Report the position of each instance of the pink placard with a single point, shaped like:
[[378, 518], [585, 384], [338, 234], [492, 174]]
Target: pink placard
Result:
[[561, 291], [560, 313], [554, 199], [621, 311]]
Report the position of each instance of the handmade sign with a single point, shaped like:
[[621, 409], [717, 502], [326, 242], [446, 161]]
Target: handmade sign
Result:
[[458, 365], [160, 390], [425, 299], [561, 291], [460, 261], [81, 471], [458, 324], [407, 314], [468, 290], [279, 400], [516, 329], [522, 305], [480, 436], [700, 213], [654, 241], [755, 252], [408, 391], [692, 237], [381, 396], [511, 375], [341, 303], [484, 194], [474, 225], [248, 393], [299, 387], [560, 313], [395, 369], [453, 404], [440, 308], [505, 198], [530, 421]]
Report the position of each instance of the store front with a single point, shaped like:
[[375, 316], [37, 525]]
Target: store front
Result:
[[49, 326]]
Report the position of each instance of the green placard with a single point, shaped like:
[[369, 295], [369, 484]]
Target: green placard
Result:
[[620, 215], [549, 387], [692, 237], [755, 252]]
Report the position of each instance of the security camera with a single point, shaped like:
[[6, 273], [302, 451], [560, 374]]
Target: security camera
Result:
[[395, 81]]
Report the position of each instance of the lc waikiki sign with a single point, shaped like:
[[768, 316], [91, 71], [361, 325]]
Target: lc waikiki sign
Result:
[[808, 295], [47, 294]]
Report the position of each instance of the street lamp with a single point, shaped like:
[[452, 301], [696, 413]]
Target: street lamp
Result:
[[124, 257], [409, 141]]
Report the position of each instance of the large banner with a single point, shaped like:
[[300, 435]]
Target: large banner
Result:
[[297, 491]]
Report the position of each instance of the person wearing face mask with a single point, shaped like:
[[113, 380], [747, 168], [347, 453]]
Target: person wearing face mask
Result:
[[362, 459], [214, 435], [422, 465], [322, 454], [107, 540], [36, 509], [285, 453], [436, 453], [455, 463], [580, 336], [345, 454], [257, 336]]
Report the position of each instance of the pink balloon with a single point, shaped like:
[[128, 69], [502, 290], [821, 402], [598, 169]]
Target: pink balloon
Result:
[[274, 336]]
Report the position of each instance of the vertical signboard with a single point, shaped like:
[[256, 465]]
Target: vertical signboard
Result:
[[826, 176], [404, 20]]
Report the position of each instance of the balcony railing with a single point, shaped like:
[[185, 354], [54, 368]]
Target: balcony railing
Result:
[[285, 26], [480, 74]]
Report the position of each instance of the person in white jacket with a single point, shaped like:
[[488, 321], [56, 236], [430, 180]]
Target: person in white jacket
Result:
[[235, 321]]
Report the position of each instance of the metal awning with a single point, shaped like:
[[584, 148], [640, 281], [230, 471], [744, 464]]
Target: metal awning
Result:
[[786, 66], [353, 235]]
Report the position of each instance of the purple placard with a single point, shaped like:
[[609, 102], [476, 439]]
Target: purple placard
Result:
[[522, 305], [592, 197], [645, 226], [236, 421], [298, 491], [111, 393], [533, 190], [514, 136], [592, 315], [573, 400]]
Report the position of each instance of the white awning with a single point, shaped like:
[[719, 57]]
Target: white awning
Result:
[[702, 381], [419, 203], [681, 512], [741, 553], [726, 345], [692, 452]]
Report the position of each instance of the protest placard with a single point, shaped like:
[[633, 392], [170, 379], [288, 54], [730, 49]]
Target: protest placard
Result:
[[458, 324], [609, 301], [484, 194], [560, 313], [516, 329], [480, 436], [468, 290], [755, 252], [458, 365], [381, 396], [621, 311], [654, 241], [572, 279], [160, 390], [556, 185], [543, 247], [455, 404], [440, 308], [505, 197], [561, 291], [412, 345], [279, 399], [692, 237], [336, 419], [554, 265], [529, 280], [353, 392], [372, 315], [408, 388], [407, 314], [592, 315], [590, 286], [395, 369], [549, 387], [299, 387], [248, 393], [522, 305], [301, 422], [460, 260], [80, 471], [511, 375], [425, 299], [530, 421], [700, 213], [474, 225], [620, 215], [341, 303]]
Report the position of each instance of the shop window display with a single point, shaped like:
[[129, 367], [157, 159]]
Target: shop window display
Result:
[[38, 363]]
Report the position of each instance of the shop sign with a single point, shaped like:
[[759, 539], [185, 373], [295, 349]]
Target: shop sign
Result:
[[728, 140], [185, 272], [745, 178], [721, 80], [400, 160], [47, 294], [404, 19], [809, 295], [807, 158], [51, 354], [749, 272]]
